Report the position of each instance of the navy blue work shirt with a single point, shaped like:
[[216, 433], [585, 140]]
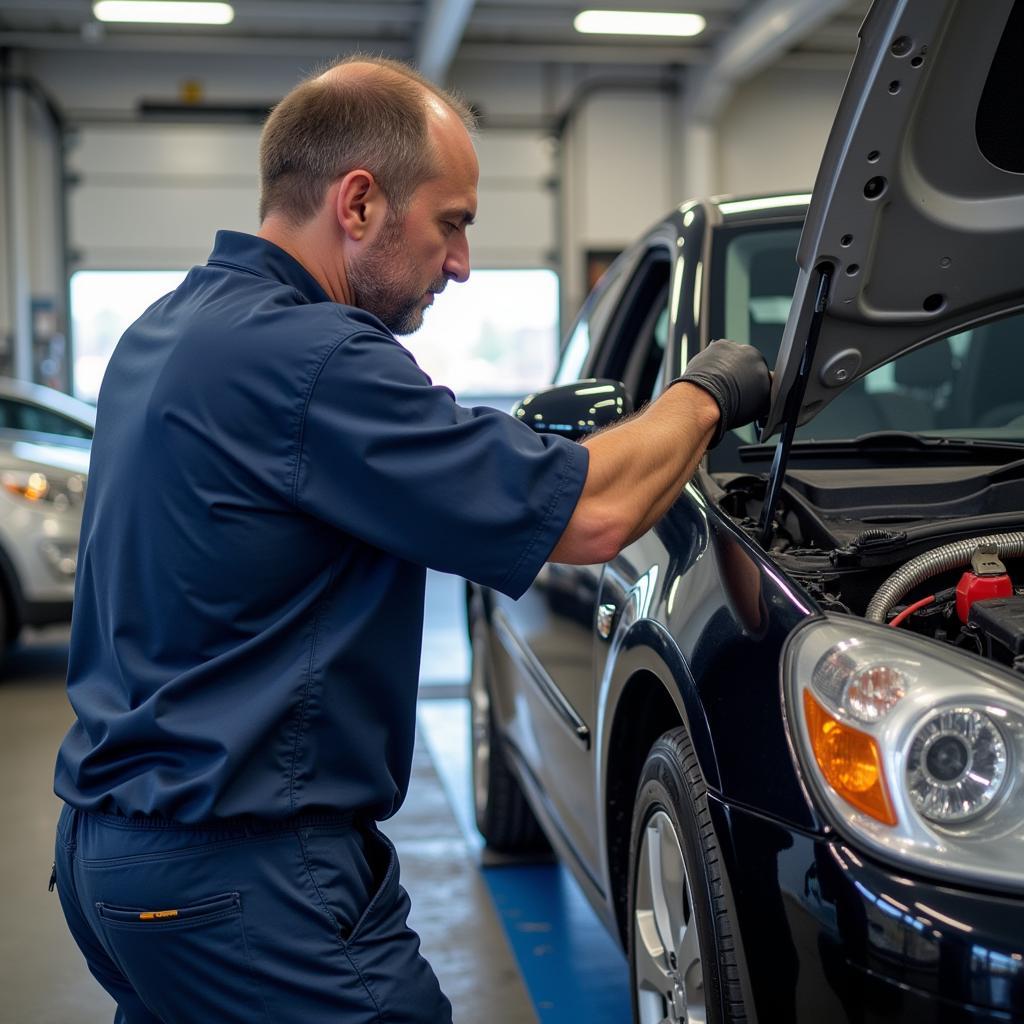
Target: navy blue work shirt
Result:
[[270, 475]]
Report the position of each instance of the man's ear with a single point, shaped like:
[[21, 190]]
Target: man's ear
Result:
[[359, 204]]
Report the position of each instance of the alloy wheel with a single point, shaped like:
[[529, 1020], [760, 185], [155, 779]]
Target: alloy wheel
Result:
[[668, 966]]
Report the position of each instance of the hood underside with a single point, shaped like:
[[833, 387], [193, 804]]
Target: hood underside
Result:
[[917, 215]]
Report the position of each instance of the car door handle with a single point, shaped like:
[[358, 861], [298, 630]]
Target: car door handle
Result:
[[606, 619]]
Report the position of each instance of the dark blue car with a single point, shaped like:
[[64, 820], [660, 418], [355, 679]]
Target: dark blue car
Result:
[[779, 739]]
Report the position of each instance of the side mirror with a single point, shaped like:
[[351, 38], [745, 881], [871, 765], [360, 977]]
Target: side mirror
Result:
[[575, 410]]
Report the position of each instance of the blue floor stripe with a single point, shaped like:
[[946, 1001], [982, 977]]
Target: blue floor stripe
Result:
[[572, 969]]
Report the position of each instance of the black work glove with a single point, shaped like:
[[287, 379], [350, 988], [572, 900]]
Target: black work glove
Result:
[[737, 378]]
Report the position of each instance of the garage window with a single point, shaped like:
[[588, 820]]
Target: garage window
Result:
[[104, 303], [496, 335]]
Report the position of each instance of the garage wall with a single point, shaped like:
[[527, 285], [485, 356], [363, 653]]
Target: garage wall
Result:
[[625, 160], [150, 195], [772, 134], [620, 175], [89, 83], [32, 294]]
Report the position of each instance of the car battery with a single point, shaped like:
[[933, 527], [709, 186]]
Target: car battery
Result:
[[1000, 625]]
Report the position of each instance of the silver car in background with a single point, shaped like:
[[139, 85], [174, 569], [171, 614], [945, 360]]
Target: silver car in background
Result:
[[45, 440]]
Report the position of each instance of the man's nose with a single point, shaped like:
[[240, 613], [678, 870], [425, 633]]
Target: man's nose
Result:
[[456, 263]]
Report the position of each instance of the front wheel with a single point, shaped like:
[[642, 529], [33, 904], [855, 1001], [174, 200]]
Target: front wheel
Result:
[[682, 954]]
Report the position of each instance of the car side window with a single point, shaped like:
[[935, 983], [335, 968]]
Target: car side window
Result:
[[24, 416], [643, 376], [591, 323], [570, 367], [634, 350]]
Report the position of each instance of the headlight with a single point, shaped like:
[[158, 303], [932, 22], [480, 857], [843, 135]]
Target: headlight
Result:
[[59, 491], [912, 748], [957, 765]]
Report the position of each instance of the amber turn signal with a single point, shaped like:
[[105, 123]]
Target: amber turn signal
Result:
[[850, 761]]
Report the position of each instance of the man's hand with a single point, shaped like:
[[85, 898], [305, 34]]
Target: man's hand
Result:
[[737, 378], [638, 468]]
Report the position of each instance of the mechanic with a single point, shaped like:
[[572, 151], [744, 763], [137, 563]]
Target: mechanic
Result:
[[271, 473]]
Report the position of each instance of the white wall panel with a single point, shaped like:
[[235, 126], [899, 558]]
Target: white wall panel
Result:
[[624, 166], [772, 135], [515, 154], [152, 196], [515, 228], [515, 224], [166, 150], [150, 227]]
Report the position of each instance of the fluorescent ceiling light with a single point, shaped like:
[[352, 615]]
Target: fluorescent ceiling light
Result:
[[164, 12], [639, 23]]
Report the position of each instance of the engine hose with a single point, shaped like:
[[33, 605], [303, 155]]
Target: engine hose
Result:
[[931, 563]]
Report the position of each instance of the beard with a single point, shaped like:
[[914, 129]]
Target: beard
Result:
[[382, 283]]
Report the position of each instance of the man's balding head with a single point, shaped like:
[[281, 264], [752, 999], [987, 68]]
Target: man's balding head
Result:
[[362, 112]]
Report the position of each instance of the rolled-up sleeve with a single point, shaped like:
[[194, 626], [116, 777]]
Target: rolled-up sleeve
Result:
[[395, 461]]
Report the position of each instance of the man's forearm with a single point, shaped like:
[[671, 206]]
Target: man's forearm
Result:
[[675, 487], [637, 471]]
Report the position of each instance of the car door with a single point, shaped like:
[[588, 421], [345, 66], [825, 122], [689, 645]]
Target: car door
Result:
[[547, 637]]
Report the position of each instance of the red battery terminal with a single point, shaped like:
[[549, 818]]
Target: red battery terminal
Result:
[[986, 579]]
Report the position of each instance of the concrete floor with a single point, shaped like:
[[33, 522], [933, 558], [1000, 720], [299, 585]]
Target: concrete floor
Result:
[[511, 943], [43, 979]]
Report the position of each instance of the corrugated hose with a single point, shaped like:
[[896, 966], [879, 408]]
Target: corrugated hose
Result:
[[931, 563]]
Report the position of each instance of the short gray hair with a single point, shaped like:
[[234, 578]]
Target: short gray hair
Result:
[[326, 127]]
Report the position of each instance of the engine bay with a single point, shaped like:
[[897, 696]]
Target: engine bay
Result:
[[932, 549]]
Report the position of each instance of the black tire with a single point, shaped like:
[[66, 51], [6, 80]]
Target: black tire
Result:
[[697, 967], [503, 816]]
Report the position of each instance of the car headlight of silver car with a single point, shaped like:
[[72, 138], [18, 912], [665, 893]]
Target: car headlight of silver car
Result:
[[53, 489], [913, 749]]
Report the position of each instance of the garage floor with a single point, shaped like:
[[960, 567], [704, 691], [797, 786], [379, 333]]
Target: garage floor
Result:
[[511, 943]]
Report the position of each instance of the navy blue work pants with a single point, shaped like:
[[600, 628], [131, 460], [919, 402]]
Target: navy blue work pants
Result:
[[302, 921]]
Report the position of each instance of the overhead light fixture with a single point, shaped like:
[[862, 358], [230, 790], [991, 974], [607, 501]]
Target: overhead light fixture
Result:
[[639, 23], [164, 12]]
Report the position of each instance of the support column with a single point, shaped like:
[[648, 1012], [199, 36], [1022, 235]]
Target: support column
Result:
[[700, 158], [17, 205]]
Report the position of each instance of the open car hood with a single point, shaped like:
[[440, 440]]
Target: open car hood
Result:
[[917, 216]]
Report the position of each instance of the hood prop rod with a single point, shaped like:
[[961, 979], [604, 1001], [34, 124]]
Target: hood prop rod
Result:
[[793, 402]]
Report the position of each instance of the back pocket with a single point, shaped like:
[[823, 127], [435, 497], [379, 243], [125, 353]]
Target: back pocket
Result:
[[187, 963]]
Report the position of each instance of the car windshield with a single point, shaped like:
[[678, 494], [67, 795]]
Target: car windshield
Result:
[[964, 386]]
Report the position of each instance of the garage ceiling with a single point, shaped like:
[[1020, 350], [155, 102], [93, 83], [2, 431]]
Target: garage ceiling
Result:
[[494, 30]]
